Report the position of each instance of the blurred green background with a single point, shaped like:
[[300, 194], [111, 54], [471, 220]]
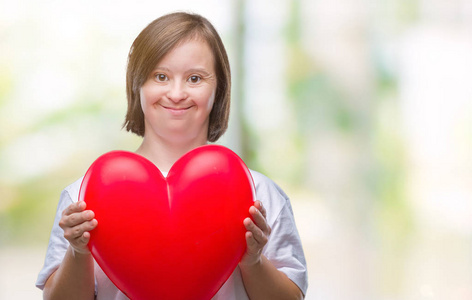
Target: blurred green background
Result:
[[360, 110]]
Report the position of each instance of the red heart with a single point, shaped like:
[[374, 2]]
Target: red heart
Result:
[[178, 237]]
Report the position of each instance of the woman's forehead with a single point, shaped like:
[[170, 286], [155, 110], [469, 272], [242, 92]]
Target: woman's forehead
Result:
[[192, 47]]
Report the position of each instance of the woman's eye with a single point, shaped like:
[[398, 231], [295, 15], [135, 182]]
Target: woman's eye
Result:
[[161, 77], [194, 79]]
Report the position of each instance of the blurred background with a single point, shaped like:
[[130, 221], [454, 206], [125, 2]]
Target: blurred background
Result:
[[360, 110]]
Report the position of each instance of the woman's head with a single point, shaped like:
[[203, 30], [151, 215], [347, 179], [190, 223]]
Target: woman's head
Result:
[[153, 43]]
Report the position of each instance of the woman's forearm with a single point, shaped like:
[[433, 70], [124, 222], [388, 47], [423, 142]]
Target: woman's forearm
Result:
[[264, 281], [74, 279]]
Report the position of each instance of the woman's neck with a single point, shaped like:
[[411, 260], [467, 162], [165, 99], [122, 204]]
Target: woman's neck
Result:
[[164, 154]]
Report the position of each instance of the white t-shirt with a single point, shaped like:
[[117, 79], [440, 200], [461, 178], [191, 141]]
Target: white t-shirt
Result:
[[283, 249]]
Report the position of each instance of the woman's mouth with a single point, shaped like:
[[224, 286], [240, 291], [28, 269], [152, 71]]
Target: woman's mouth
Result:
[[176, 110]]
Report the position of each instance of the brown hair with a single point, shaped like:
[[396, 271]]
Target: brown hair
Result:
[[153, 43]]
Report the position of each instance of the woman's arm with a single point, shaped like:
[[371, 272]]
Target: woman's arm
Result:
[[261, 278], [74, 279], [264, 281]]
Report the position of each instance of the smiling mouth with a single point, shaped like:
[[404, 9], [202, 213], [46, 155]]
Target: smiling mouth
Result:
[[176, 110]]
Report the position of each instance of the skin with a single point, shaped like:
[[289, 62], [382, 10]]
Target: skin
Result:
[[176, 99], [260, 277], [74, 278]]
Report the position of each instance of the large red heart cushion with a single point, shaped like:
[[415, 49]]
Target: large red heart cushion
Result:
[[178, 237]]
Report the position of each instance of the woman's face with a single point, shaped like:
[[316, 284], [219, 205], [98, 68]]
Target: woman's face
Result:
[[178, 96]]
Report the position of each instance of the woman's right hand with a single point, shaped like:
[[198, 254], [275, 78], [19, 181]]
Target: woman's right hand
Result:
[[76, 223]]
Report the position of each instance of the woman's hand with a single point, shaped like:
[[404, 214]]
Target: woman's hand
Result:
[[257, 234], [76, 223], [261, 279]]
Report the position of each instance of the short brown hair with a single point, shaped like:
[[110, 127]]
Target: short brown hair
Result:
[[153, 43]]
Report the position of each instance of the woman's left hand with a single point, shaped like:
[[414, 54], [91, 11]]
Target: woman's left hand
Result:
[[257, 234]]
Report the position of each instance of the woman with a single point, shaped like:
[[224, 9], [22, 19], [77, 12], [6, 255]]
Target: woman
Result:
[[178, 89]]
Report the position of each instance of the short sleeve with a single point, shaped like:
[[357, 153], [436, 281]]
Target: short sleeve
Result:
[[57, 246], [284, 248]]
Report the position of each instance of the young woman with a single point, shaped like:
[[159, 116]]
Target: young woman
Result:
[[178, 89]]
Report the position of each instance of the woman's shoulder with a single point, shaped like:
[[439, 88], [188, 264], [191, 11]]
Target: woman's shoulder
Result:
[[265, 185], [271, 195], [72, 190]]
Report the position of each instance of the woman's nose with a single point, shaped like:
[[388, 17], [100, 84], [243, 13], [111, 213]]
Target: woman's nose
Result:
[[176, 92]]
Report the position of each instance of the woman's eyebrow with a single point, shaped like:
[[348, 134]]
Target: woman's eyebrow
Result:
[[160, 69], [202, 71], [199, 70]]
